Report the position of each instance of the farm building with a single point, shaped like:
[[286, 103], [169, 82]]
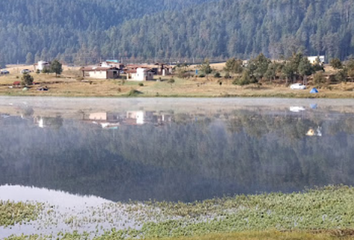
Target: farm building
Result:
[[101, 72], [140, 74], [112, 63], [163, 69], [157, 68], [313, 59], [41, 65]]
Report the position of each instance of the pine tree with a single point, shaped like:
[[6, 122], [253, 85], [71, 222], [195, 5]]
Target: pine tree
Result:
[[56, 67]]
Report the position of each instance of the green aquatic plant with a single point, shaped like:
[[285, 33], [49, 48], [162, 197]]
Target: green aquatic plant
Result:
[[328, 210], [12, 213]]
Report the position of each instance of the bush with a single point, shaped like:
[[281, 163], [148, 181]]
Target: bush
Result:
[[133, 93], [319, 79], [245, 79], [171, 81], [141, 84], [227, 75], [331, 79], [45, 70], [26, 79], [201, 75], [336, 63], [217, 75], [341, 76]]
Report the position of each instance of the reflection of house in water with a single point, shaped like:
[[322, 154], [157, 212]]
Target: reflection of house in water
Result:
[[147, 117], [297, 109], [111, 120], [49, 122], [314, 133], [106, 119], [139, 117], [104, 116]]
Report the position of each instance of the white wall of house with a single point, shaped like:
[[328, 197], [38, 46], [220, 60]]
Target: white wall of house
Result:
[[41, 123], [313, 59], [142, 74], [105, 64], [96, 74], [98, 116], [138, 115], [41, 65]]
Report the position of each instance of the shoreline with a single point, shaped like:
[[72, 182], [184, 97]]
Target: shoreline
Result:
[[319, 212], [336, 95]]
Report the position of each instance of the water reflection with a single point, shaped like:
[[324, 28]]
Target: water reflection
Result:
[[64, 212], [51, 197], [179, 150]]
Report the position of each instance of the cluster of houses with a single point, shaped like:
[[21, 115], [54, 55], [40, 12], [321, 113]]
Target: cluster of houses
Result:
[[112, 69], [105, 120], [112, 120]]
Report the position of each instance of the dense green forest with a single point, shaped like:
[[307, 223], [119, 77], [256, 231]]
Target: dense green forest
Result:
[[84, 31]]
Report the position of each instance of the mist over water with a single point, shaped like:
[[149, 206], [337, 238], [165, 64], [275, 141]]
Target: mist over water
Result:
[[175, 149]]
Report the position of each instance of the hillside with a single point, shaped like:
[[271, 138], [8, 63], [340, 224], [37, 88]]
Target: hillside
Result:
[[84, 31]]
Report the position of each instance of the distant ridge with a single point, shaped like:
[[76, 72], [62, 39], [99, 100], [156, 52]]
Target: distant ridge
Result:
[[84, 31]]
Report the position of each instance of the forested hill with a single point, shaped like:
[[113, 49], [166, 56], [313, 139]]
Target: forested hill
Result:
[[84, 31]]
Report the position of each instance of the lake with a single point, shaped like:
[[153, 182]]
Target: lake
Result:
[[66, 151]]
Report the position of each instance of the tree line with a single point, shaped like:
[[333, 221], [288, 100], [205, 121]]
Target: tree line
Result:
[[84, 31], [262, 69]]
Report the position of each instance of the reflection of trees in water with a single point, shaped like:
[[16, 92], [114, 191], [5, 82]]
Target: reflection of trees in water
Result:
[[200, 158], [53, 122], [258, 125], [27, 111]]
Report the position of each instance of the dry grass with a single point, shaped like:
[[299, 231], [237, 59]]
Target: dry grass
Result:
[[218, 66], [69, 85]]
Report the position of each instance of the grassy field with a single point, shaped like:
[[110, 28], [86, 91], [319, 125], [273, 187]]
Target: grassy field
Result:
[[69, 84]]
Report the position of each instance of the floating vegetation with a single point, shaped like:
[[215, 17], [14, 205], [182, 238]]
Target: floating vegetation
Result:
[[328, 211], [12, 213]]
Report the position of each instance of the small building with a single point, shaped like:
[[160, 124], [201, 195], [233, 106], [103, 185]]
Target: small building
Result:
[[104, 116], [100, 72], [49, 122], [112, 63], [140, 74], [139, 117], [41, 65], [314, 133], [106, 120], [313, 59], [163, 69]]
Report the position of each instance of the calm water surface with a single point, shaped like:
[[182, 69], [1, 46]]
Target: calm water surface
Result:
[[172, 149]]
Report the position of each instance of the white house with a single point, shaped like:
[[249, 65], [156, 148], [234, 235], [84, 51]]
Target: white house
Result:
[[100, 72], [112, 63], [313, 59], [141, 74], [41, 65], [138, 116]]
